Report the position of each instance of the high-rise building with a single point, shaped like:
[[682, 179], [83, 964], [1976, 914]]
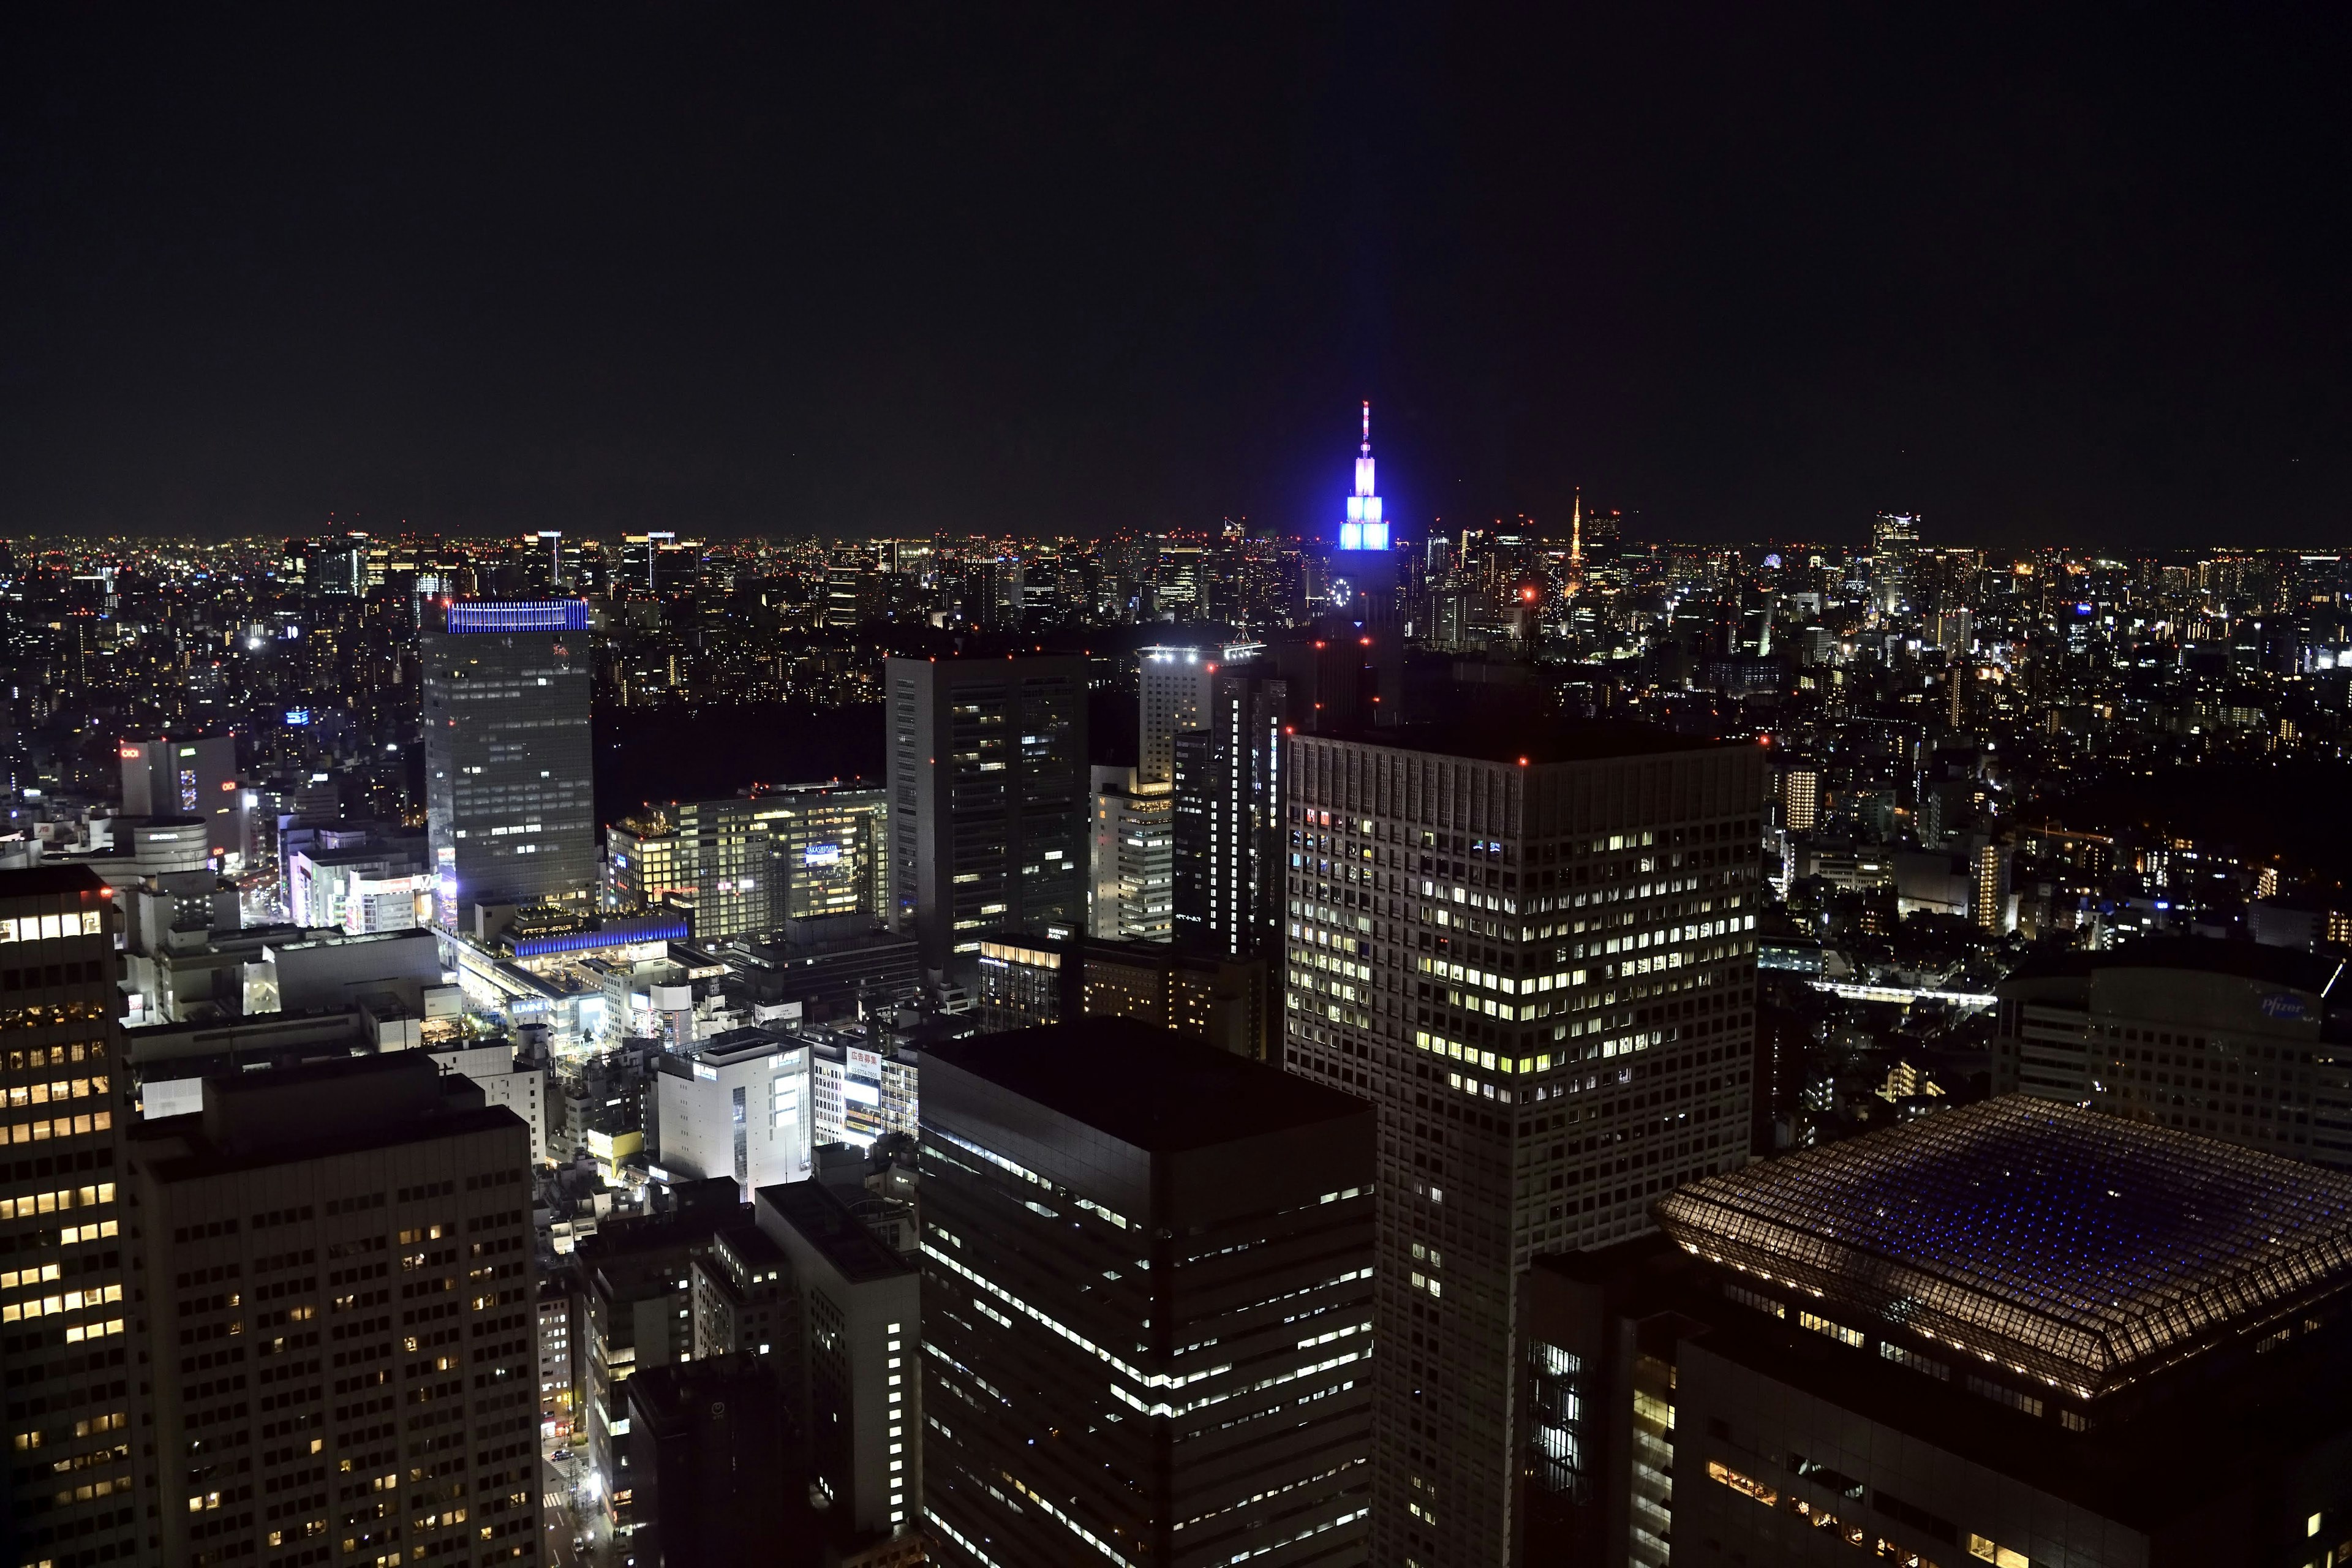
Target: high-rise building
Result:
[[1894, 551], [1968, 1339], [2231, 1040], [339, 1319], [658, 563], [989, 799], [1227, 829], [1532, 949], [1133, 857], [1175, 685], [1208, 994], [747, 866], [78, 1453], [509, 796], [169, 777], [1147, 1303], [861, 1394]]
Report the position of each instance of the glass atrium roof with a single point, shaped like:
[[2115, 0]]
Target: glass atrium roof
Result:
[[2076, 1246]]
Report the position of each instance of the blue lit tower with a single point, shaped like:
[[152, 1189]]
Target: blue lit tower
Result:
[[510, 807], [1369, 567]]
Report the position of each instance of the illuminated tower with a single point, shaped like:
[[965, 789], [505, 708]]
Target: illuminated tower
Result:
[[1365, 529]]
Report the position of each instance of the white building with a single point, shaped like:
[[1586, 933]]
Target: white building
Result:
[[1176, 684], [1131, 885], [858, 1096], [736, 1106], [364, 887], [508, 1077]]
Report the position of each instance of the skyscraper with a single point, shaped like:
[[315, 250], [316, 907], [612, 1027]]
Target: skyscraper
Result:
[[509, 800], [1532, 951], [1130, 887], [1894, 549], [1175, 685], [989, 799], [339, 1319], [1228, 882], [1145, 1303], [78, 1454]]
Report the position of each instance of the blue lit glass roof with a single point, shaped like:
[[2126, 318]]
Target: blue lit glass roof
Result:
[[2067, 1244], [519, 616]]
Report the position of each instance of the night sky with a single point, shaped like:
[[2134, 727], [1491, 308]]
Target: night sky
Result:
[[2046, 273]]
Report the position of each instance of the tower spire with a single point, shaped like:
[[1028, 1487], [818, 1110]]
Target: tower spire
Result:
[[1365, 529]]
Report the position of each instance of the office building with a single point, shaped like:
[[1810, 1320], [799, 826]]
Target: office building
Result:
[[1532, 948], [2229, 1040], [828, 977], [1175, 685], [1970, 1338], [710, 1447], [1024, 983], [860, 1394], [658, 563], [188, 777], [1228, 877], [636, 1313], [79, 1465], [746, 866], [1894, 553], [1133, 857], [339, 1319], [1147, 1303], [989, 799], [1225, 1001], [735, 1106], [510, 800]]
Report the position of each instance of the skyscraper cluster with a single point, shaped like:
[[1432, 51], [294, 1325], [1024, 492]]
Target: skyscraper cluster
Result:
[[1416, 1046]]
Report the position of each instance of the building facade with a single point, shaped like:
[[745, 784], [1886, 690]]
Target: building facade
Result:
[[1147, 1303], [1537, 961], [1968, 1339], [509, 797], [79, 1480], [747, 865], [1175, 685], [1227, 881], [1133, 858], [2234, 1040], [340, 1284], [738, 1106], [989, 799]]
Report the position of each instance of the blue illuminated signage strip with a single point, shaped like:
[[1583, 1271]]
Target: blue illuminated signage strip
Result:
[[616, 935], [520, 615]]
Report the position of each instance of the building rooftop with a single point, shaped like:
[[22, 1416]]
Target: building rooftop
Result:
[[827, 1224], [47, 881], [1537, 742], [2075, 1247], [1147, 1087], [2298, 971]]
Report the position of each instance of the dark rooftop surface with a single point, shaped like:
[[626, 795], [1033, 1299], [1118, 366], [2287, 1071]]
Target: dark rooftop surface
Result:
[[2286, 966], [1150, 1088], [818, 1213], [1535, 742], [44, 881], [2077, 1246]]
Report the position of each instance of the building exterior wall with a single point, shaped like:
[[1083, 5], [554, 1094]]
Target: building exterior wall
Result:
[[1544, 977], [509, 798], [989, 799]]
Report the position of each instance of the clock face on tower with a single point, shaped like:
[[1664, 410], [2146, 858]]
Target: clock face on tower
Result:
[[1342, 593]]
